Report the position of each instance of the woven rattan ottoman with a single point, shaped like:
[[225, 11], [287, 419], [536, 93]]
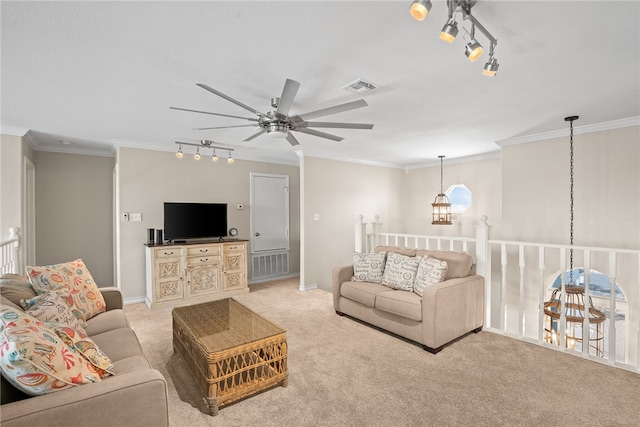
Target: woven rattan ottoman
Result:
[[232, 352]]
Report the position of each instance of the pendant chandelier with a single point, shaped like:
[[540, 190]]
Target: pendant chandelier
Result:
[[573, 307], [441, 205]]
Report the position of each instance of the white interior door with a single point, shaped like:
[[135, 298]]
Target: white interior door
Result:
[[269, 212]]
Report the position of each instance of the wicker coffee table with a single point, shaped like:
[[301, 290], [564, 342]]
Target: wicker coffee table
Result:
[[232, 352]]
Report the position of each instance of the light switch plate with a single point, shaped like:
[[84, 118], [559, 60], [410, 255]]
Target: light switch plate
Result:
[[135, 217]]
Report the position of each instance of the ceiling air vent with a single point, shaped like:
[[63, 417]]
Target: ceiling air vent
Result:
[[359, 86]]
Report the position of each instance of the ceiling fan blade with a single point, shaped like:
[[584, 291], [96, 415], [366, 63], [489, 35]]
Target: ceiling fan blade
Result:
[[214, 114], [292, 139], [226, 127], [230, 99], [320, 134], [286, 99], [335, 125], [260, 132], [333, 110]]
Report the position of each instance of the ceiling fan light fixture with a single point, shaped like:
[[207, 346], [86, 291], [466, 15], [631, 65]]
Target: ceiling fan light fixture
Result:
[[491, 67], [277, 130], [420, 9], [449, 31], [473, 50]]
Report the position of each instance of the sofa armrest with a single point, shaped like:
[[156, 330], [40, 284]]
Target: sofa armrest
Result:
[[340, 274], [452, 308], [139, 396], [112, 298]]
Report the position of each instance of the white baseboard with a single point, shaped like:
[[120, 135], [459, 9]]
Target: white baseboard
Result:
[[309, 287], [134, 300], [270, 279]]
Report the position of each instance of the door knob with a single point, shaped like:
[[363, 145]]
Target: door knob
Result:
[[257, 234]]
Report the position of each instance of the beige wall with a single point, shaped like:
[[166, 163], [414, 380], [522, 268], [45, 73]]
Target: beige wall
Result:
[[535, 190], [146, 179], [74, 212], [339, 192]]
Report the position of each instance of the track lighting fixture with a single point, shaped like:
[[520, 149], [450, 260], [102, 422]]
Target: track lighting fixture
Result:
[[206, 144], [420, 9], [449, 31], [473, 50]]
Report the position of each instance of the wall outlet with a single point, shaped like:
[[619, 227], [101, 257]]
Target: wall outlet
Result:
[[125, 217], [316, 217], [135, 217]]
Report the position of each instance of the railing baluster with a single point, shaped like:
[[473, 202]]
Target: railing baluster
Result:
[[542, 294], [586, 327], [613, 272], [563, 294], [503, 288], [521, 264]]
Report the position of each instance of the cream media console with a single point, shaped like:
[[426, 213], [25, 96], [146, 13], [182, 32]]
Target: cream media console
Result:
[[188, 273]]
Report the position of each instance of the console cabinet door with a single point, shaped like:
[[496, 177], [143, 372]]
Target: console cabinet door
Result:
[[169, 283], [235, 266], [203, 279]]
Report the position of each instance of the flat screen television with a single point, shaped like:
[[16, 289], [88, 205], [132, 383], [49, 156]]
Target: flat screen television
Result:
[[183, 220]]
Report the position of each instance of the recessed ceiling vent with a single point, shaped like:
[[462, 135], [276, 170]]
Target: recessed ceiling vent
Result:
[[359, 86]]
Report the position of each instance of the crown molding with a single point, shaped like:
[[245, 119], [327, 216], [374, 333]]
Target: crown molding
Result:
[[13, 131], [310, 153], [491, 155], [577, 130], [76, 150]]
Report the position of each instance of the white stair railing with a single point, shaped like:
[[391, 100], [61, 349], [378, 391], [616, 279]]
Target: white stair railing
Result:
[[523, 271], [9, 262]]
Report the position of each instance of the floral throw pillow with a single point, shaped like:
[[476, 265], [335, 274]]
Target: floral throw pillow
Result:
[[400, 271], [368, 267], [79, 340], [430, 271], [35, 360], [55, 306], [73, 276]]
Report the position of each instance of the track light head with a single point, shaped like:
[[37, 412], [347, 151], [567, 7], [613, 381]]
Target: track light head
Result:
[[214, 157], [179, 153], [230, 159], [420, 9], [449, 31], [491, 67], [197, 155], [473, 50]]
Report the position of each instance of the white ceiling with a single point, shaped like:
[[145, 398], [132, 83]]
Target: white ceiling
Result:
[[99, 74]]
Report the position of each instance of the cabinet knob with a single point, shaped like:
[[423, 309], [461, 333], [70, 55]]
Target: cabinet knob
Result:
[[204, 259], [169, 253], [204, 250]]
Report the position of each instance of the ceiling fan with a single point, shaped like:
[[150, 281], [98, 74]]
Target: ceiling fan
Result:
[[279, 124]]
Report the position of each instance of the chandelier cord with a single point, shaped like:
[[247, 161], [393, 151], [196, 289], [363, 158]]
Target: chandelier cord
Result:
[[441, 175], [571, 203]]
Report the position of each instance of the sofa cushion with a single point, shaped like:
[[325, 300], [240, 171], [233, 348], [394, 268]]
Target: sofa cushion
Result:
[[458, 263], [75, 276], [430, 271], [130, 364], [107, 321], [15, 288], [401, 303], [362, 292], [400, 271], [35, 360], [118, 344], [52, 308], [368, 267]]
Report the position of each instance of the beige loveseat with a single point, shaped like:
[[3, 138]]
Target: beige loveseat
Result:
[[446, 311], [135, 395]]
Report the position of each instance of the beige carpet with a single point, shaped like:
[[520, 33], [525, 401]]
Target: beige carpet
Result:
[[344, 373]]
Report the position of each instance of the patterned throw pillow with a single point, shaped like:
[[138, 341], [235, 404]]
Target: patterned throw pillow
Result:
[[73, 276], [400, 271], [54, 307], [430, 271], [368, 267], [87, 347], [35, 360]]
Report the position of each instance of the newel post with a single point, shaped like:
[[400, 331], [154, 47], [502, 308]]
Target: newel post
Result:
[[361, 235], [376, 225], [483, 264]]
